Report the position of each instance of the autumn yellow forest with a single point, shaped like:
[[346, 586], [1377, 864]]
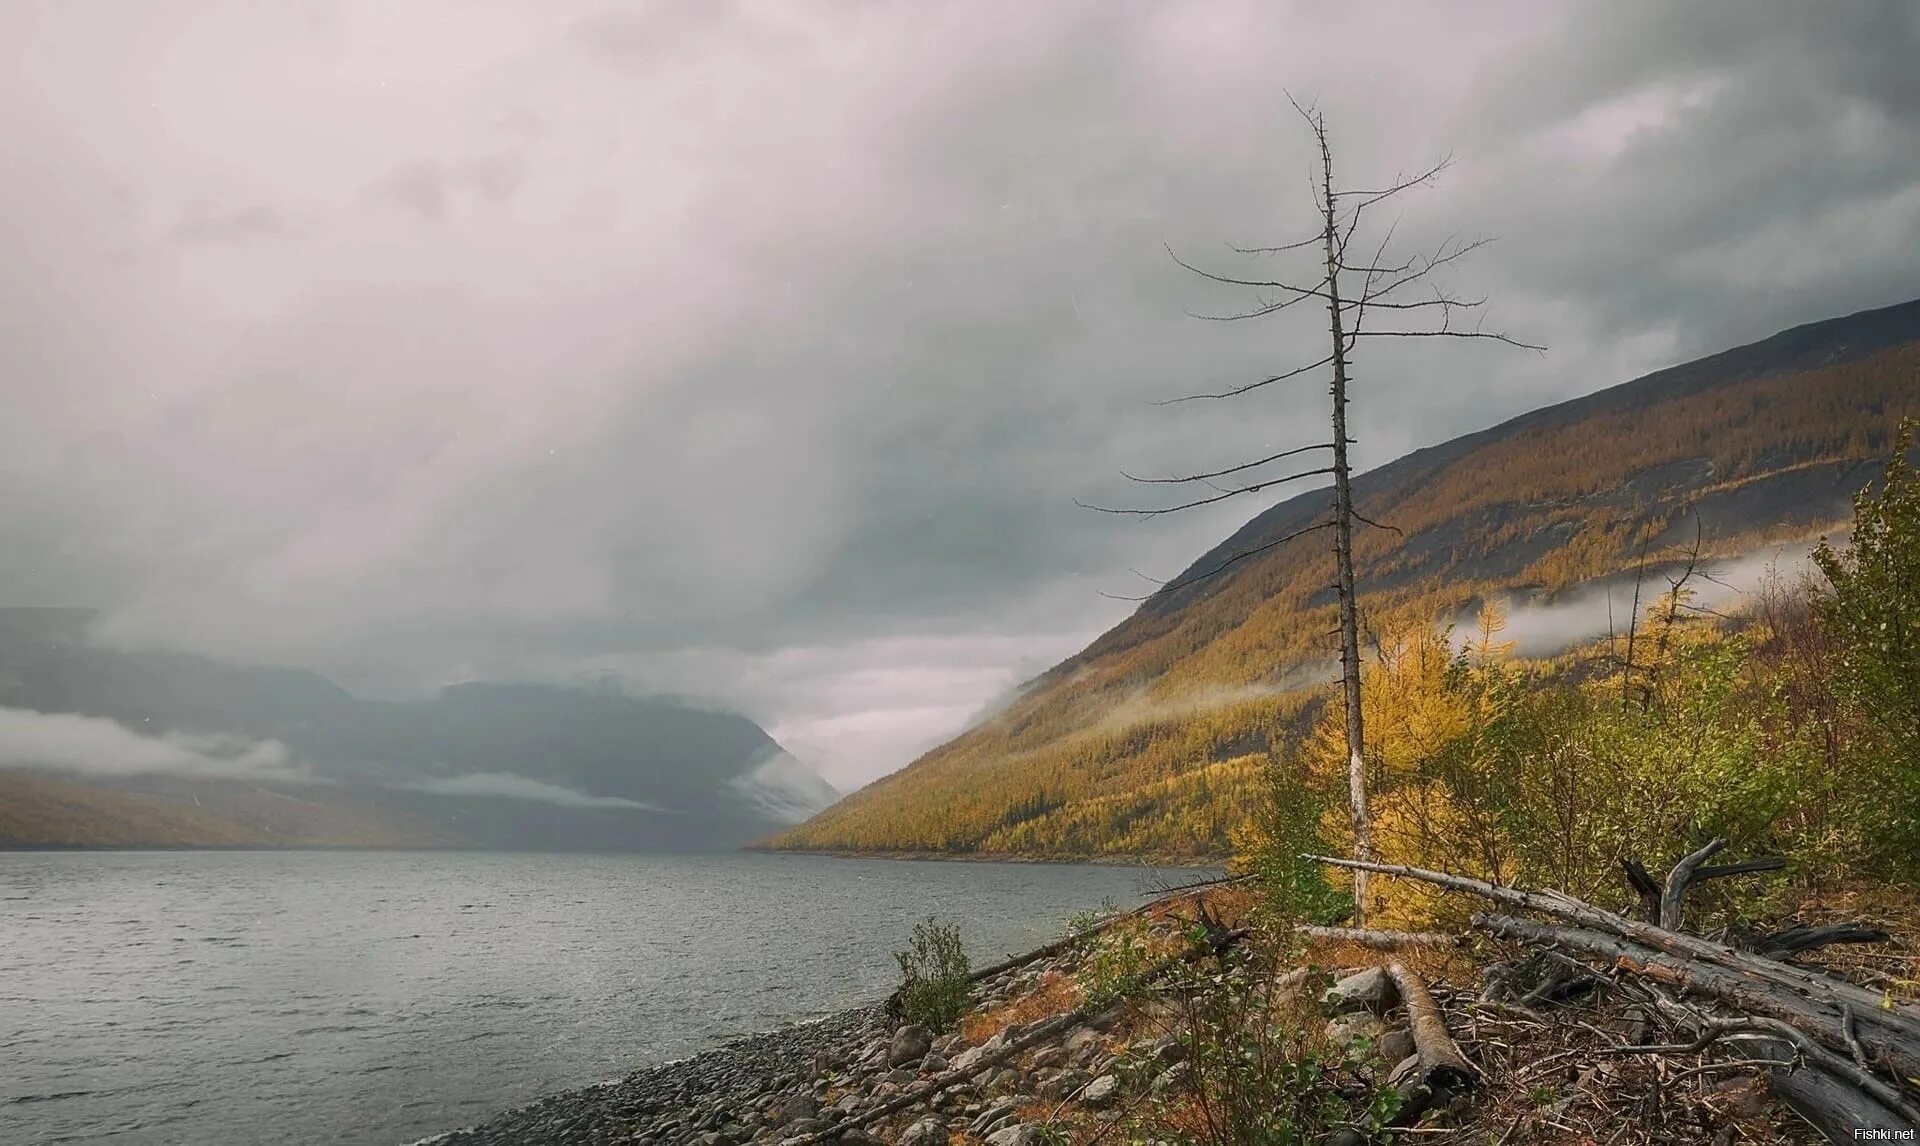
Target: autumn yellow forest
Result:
[[1159, 739]]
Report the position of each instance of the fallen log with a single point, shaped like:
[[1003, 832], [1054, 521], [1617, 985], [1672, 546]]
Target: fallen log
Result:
[[1837, 1036], [1801, 981], [1898, 1044], [1378, 940], [1836, 1095], [1442, 1072], [1834, 1106], [1793, 940]]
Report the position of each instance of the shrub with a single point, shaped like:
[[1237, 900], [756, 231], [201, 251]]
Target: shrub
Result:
[[1081, 922], [1872, 614], [1284, 828], [1112, 965], [935, 984], [1258, 1071]]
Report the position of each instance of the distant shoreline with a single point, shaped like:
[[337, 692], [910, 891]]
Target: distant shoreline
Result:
[[1215, 862], [1192, 862]]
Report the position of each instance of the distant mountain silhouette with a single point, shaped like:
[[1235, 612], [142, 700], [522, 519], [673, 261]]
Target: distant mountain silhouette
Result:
[[199, 740]]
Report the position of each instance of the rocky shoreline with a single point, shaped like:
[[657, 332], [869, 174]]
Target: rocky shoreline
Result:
[[832, 1078], [718, 1095]]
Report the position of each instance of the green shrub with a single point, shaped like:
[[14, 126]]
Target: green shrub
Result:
[[1872, 613], [1285, 828], [1257, 1071], [935, 984], [1112, 966], [1081, 922]]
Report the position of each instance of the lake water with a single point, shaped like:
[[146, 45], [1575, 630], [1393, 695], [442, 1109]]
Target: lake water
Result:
[[332, 997]]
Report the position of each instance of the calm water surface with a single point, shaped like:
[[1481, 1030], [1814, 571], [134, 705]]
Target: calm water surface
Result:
[[212, 998]]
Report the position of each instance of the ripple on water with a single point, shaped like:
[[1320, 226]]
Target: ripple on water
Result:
[[519, 975]]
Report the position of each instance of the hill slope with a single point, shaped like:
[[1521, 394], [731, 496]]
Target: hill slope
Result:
[[100, 747], [1149, 741]]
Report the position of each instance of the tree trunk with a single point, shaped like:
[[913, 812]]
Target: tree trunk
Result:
[[1343, 548]]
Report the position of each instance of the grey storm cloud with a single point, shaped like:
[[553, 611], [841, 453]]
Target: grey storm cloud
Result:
[[760, 350]]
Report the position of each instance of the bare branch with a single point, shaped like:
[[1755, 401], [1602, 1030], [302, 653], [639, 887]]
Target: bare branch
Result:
[[1393, 529], [1170, 586], [1374, 195], [1238, 390], [1489, 335], [1311, 292], [1307, 242], [1449, 252], [1230, 469], [1261, 311], [1223, 495], [1442, 300], [1372, 273]]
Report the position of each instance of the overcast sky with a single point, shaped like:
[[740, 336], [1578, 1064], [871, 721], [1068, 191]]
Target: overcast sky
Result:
[[757, 351]]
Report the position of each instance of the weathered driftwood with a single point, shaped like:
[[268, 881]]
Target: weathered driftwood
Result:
[[1378, 940], [1794, 940], [1691, 870], [1785, 976], [1443, 1072], [1838, 1037], [1898, 1044], [1673, 897], [1834, 1094], [1835, 1106]]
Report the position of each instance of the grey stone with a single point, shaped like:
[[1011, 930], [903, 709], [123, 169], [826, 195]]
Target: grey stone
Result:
[[1174, 1079], [1019, 1135], [1395, 1044], [1405, 1069], [1047, 1057], [994, 1112], [1101, 1091], [1368, 990], [1059, 1084], [910, 1044], [1347, 1029], [968, 1059], [1163, 1051], [1082, 1037], [929, 1131]]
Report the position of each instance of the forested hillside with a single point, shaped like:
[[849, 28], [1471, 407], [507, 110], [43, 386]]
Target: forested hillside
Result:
[[1151, 740]]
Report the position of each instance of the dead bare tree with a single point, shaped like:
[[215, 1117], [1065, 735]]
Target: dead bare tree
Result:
[[1355, 287]]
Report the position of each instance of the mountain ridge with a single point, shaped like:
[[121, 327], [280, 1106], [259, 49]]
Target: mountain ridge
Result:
[[1752, 444], [111, 747]]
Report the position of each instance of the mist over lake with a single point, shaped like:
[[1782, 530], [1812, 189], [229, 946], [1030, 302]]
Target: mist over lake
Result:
[[206, 997]]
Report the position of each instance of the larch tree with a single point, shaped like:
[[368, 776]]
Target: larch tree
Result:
[[1368, 293]]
